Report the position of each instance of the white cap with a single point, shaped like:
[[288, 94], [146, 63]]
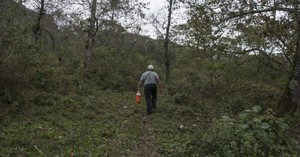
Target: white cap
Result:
[[150, 67]]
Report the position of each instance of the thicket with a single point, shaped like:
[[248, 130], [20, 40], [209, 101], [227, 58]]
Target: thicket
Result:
[[255, 132], [55, 62], [223, 88]]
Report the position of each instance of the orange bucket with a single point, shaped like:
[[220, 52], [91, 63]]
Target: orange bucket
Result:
[[138, 97]]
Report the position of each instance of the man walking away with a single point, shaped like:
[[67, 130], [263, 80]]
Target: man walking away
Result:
[[150, 79]]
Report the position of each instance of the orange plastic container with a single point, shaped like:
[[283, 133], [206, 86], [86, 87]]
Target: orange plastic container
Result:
[[138, 97]]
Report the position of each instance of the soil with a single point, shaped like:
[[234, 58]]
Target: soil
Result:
[[145, 147]]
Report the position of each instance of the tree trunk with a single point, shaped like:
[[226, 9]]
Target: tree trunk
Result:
[[296, 95], [166, 42], [37, 29], [90, 42], [291, 97]]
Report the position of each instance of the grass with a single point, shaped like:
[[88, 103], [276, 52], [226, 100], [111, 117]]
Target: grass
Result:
[[97, 123], [102, 124], [175, 126]]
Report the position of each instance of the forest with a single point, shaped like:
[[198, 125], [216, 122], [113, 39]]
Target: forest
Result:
[[70, 69]]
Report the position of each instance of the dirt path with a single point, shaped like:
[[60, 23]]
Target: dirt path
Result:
[[145, 147]]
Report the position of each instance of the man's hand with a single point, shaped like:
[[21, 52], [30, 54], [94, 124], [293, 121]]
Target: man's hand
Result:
[[139, 85]]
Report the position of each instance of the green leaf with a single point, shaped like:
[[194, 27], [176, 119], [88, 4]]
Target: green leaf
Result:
[[226, 119], [257, 120], [265, 126], [244, 126], [282, 125], [243, 115], [257, 109]]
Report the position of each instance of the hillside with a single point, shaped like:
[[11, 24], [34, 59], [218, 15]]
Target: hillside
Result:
[[101, 123], [109, 123], [68, 89]]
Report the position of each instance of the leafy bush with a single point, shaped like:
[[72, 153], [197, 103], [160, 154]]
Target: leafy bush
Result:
[[229, 95], [254, 133], [116, 71], [198, 86], [242, 94]]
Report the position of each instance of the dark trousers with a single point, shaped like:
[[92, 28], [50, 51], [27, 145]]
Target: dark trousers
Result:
[[150, 91]]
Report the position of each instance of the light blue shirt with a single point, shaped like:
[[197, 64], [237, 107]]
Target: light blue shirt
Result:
[[151, 77]]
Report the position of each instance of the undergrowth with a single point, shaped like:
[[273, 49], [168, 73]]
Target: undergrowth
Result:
[[103, 123], [108, 123]]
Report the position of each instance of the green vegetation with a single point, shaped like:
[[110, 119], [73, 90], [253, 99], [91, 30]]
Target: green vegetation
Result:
[[252, 134], [108, 123], [102, 123], [216, 103]]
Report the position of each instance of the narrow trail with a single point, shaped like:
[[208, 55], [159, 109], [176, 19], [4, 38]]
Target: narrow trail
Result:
[[145, 147]]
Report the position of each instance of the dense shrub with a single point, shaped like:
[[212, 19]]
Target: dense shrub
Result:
[[228, 94], [254, 133], [197, 86], [16, 46], [118, 71], [243, 94]]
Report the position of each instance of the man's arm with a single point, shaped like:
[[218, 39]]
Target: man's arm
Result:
[[159, 85], [140, 84]]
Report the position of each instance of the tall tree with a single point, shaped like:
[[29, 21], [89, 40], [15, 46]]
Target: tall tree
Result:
[[200, 31], [108, 19], [259, 27], [163, 26], [91, 34], [46, 23], [290, 100], [37, 30], [166, 40]]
